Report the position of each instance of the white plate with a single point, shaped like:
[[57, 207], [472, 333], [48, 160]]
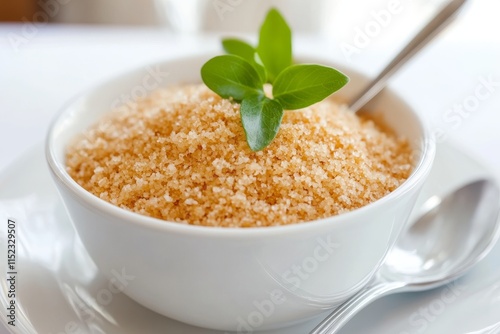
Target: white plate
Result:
[[59, 290]]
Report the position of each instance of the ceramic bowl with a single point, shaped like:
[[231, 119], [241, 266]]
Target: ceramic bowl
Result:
[[227, 278]]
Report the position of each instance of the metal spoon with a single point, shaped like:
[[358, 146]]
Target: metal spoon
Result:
[[453, 235], [431, 30]]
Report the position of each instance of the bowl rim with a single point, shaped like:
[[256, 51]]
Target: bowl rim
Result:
[[58, 171]]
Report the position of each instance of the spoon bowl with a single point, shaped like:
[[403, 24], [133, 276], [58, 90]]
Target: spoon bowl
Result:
[[448, 239], [453, 234]]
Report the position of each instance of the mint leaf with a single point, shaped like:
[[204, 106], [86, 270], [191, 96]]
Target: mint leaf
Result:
[[238, 47], [261, 118], [231, 76], [241, 48], [275, 44], [299, 86], [241, 76]]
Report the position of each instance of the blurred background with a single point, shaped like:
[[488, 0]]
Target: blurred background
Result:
[[339, 20], [387, 23], [188, 16]]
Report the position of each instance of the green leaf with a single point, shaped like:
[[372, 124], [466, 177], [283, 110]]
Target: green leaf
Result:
[[241, 75], [231, 76], [261, 118], [241, 48], [275, 44], [300, 86], [238, 47]]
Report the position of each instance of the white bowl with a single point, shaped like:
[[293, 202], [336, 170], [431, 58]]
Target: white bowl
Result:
[[228, 278]]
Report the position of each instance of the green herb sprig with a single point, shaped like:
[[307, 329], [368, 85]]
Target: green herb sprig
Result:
[[241, 74]]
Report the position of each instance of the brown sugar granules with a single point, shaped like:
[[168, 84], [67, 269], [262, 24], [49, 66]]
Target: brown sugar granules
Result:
[[180, 155]]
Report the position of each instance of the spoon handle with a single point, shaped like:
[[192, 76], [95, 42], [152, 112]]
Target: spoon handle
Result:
[[342, 314], [438, 23]]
